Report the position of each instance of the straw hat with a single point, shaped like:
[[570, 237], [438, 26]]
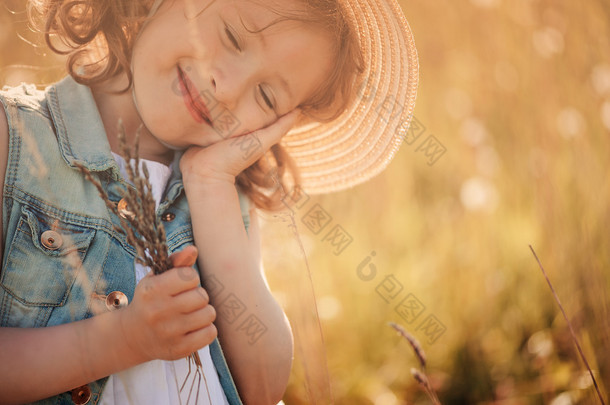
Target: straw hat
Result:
[[364, 139]]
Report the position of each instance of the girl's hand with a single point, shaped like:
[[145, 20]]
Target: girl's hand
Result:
[[169, 317], [224, 160]]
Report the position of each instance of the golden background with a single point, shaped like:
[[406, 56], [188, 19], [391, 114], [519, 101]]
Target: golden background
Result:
[[518, 94]]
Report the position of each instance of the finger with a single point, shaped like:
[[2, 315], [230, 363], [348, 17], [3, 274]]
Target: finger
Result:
[[184, 258], [269, 136], [272, 134], [175, 281], [192, 300], [200, 338], [183, 324], [202, 318]]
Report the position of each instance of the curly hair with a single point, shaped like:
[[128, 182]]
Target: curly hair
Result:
[[98, 37]]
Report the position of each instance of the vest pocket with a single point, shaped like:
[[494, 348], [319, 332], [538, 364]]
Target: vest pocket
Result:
[[44, 259]]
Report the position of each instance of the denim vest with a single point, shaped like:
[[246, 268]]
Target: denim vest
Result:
[[62, 254]]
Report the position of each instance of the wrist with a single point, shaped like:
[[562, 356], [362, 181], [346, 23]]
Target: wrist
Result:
[[193, 174], [131, 351], [207, 180]]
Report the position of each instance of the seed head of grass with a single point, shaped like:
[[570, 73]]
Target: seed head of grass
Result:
[[417, 349]]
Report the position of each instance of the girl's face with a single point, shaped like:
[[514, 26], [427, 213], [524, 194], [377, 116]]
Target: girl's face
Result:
[[200, 76]]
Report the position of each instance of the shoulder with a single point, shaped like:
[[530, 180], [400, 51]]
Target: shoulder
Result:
[[24, 95], [3, 139], [3, 161], [3, 120], [3, 134], [24, 102]]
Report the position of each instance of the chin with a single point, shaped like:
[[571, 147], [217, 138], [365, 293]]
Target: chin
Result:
[[170, 146]]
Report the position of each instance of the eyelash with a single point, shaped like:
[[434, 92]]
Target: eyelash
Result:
[[233, 40], [266, 98]]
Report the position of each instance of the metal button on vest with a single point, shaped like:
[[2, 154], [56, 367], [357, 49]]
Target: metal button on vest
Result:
[[168, 217], [51, 240], [81, 395], [116, 300], [123, 210]]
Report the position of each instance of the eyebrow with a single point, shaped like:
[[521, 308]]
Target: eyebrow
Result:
[[255, 29]]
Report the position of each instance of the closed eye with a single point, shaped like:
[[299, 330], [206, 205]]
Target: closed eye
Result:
[[266, 98], [232, 38]]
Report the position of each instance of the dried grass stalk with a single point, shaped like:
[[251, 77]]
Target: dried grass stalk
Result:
[[419, 352], [419, 375], [582, 354]]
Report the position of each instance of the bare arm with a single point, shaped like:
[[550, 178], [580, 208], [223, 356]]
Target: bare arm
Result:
[[41, 362], [259, 363]]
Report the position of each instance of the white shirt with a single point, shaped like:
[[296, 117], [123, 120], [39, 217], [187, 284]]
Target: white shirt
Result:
[[158, 382]]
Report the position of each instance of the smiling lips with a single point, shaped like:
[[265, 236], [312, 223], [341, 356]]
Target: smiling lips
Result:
[[193, 100]]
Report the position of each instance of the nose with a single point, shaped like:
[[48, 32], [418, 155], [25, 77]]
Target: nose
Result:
[[231, 85], [227, 91]]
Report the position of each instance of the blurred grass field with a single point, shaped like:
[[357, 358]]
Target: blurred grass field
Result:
[[518, 93]]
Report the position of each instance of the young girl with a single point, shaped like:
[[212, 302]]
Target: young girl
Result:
[[213, 85]]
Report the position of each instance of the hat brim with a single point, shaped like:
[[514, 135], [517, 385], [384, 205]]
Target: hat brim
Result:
[[364, 139]]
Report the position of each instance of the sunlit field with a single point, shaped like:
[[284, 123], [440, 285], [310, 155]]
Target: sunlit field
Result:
[[510, 147]]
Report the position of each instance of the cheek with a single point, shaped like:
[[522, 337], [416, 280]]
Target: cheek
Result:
[[202, 41], [252, 118]]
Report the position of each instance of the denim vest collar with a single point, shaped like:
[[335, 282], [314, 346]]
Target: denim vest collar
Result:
[[82, 138]]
